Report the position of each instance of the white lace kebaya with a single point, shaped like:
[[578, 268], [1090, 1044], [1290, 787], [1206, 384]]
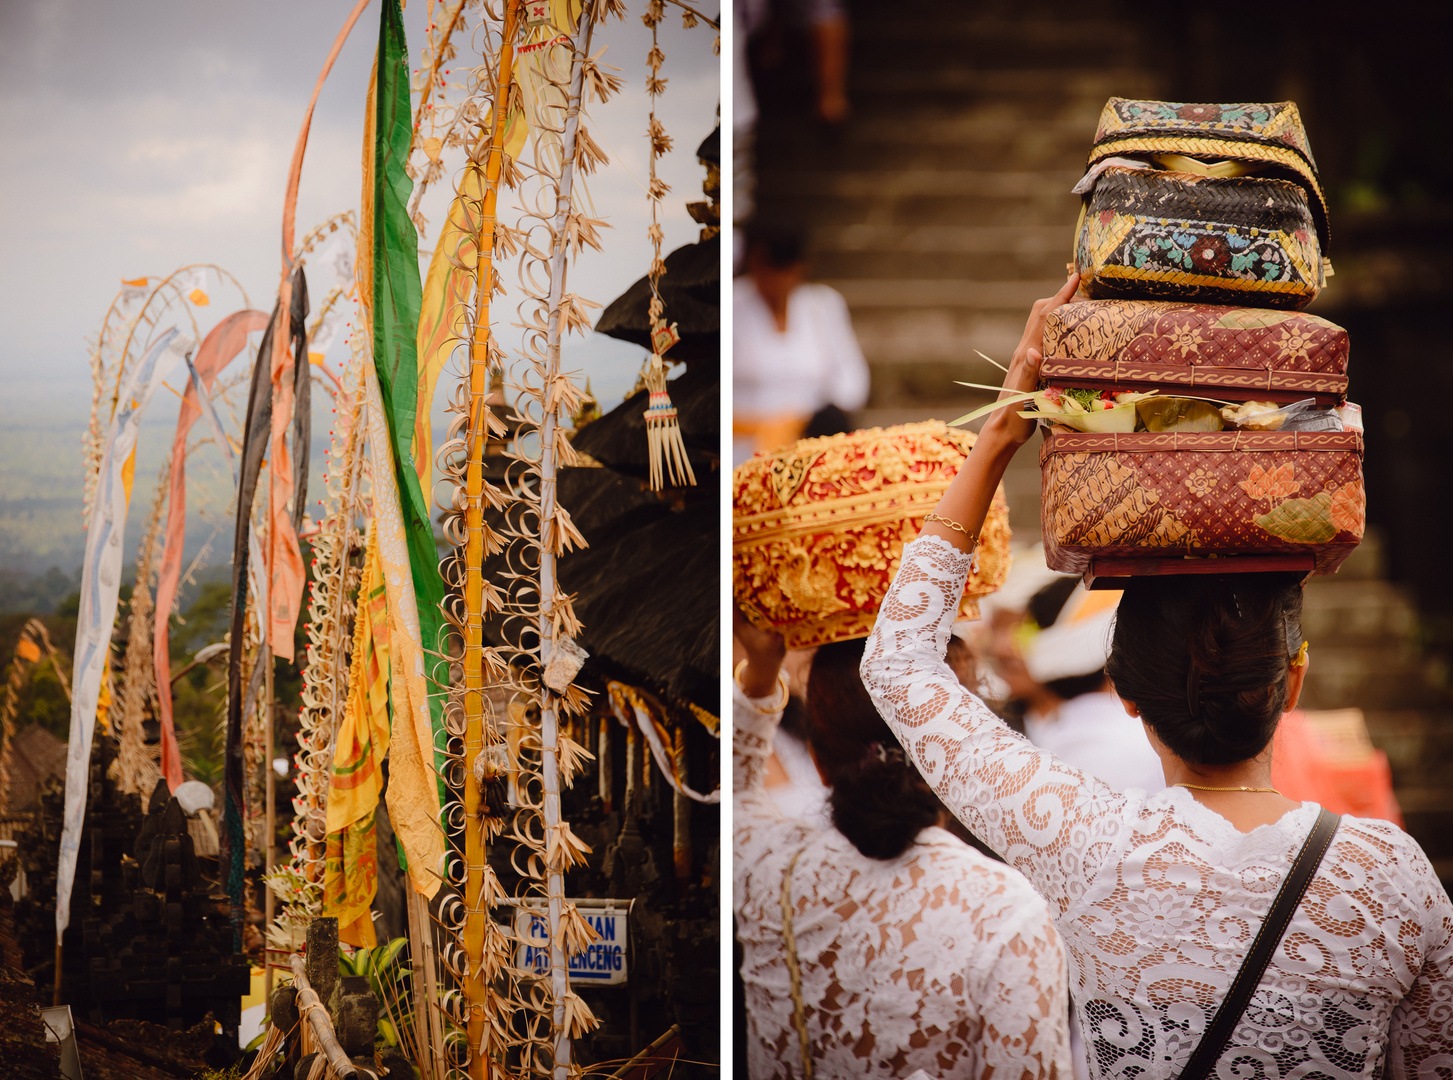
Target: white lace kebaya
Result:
[[941, 959], [1158, 898]]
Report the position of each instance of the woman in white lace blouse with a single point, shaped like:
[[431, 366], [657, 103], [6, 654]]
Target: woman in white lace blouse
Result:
[[1158, 897], [915, 952]]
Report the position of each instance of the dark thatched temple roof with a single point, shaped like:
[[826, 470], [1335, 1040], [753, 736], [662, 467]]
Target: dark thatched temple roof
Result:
[[691, 291], [647, 589]]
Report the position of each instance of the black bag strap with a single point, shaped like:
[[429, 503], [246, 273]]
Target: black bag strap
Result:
[[1218, 1033]]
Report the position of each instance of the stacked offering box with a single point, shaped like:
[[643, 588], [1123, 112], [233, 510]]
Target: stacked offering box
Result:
[[1185, 204]]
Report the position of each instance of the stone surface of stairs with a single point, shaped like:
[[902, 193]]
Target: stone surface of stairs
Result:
[[942, 209]]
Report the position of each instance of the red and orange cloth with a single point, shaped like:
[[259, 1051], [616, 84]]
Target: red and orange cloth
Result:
[[1327, 758]]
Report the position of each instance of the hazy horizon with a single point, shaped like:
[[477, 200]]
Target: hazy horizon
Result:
[[146, 138]]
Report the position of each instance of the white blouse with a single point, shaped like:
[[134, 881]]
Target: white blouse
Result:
[[1093, 733], [1157, 897], [815, 362], [941, 959]]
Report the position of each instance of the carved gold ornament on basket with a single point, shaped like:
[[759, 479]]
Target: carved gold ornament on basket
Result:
[[818, 527]]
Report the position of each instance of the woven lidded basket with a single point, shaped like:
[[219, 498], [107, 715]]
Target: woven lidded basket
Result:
[[1231, 353], [1161, 235], [818, 528], [1270, 135], [1124, 505]]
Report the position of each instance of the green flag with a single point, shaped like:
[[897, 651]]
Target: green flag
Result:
[[396, 300]]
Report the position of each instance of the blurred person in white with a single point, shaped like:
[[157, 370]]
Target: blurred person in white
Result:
[[1160, 897], [911, 952], [827, 25], [1065, 641], [794, 353]]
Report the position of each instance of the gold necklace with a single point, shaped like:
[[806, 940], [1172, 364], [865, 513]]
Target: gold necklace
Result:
[[1203, 787]]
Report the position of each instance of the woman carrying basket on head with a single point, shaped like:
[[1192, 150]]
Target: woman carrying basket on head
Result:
[[1170, 904]]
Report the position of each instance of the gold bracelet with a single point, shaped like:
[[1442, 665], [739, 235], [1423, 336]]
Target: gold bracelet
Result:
[[776, 706], [951, 524]]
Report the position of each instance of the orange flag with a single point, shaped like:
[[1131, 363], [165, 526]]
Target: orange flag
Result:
[[217, 351]]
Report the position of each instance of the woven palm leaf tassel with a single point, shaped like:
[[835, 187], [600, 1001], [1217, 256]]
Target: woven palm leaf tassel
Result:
[[663, 431], [667, 451]]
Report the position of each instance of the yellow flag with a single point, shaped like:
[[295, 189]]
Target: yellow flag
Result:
[[350, 866], [443, 315]]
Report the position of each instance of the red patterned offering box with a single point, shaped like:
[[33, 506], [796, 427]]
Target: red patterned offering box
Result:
[[1229, 353], [1176, 503], [818, 528]]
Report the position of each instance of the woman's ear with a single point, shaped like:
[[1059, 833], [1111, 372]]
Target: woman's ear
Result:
[[1131, 709], [1296, 677]]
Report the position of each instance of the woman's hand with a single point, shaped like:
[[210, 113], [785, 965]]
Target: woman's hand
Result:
[[764, 650], [1006, 426], [966, 502]]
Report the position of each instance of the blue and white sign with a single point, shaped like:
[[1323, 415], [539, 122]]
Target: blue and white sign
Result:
[[603, 963]]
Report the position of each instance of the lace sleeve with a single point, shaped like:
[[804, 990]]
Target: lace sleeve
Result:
[[752, 729], [1050, 821], [759, 828], [1421, 1040], [1026, 1026]]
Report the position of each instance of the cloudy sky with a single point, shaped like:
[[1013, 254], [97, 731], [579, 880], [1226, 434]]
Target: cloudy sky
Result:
[[142, 137]]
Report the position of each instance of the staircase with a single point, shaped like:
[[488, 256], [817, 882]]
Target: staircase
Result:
[[942, 210], [1365, 652]]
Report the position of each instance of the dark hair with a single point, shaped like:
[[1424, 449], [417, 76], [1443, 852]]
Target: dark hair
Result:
[[1044, 608], [1073, 686], [1205, 659], [879, 801], [780, 245], [828, 420], [1045, 605]]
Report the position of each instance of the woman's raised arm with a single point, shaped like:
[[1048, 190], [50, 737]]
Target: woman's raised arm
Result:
[[1047, 819]]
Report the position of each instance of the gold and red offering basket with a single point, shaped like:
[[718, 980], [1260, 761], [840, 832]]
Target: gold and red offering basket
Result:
[[1120, 506], [818, 528]]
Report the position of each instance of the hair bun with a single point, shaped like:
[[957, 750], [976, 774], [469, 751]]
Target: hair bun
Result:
[[879, 801], [1205, 660]]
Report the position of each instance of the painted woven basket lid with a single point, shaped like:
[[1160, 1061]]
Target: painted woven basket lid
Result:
[[818, 528], [1271, 133]]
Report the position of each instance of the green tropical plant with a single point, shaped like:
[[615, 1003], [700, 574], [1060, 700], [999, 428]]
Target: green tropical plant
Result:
[[389, 981]]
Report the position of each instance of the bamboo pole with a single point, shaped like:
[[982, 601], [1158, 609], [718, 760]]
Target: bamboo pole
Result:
[[475, 990], [424, 987], [644, 1056], [681, 817], [549, 720], [318, 1020]]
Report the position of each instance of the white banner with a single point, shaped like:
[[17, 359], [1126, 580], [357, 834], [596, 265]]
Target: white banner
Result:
[[100, 585]]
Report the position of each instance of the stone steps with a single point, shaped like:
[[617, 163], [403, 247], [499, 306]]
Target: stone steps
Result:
[[987, 41], [877, 90], [1353, 612], [1418, 743], [980, 135], [1388, 676]]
